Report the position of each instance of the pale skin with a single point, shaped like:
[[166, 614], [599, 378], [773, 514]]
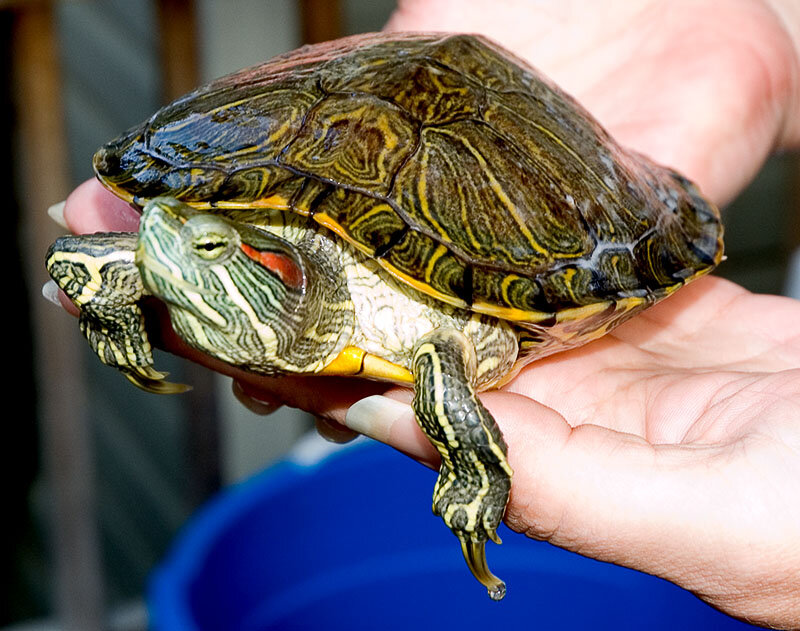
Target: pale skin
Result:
[[672, 445]]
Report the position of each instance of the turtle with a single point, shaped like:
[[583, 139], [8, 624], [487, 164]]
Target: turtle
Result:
[[420, 208]]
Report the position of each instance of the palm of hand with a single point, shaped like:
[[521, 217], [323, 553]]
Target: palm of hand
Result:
[[675, 373]]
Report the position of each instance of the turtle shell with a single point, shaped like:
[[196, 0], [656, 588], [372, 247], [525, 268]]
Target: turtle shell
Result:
[[460, 168]]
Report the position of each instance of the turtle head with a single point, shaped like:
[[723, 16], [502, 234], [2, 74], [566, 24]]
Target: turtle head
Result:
[[235, 292]]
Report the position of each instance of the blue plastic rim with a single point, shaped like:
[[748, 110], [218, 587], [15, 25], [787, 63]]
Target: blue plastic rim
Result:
[[350, 543]]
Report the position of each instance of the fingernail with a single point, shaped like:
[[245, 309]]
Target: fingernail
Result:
[[50, 292], [56, 212], [374, 416], [334, 432], [257, 406]]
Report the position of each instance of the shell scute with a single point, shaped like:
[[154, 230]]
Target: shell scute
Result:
[[477, 57], [355, 141], [467, 188], [231, 131], [259, 182], [428, 92], [372, 223]]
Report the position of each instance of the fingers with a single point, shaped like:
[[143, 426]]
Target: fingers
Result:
[[676, 511], [334, 432], [391, 420], [588, 488], [91, 208], [255, 402]]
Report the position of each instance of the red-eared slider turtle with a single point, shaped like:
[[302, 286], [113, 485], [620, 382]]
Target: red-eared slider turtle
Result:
[[419, 208]]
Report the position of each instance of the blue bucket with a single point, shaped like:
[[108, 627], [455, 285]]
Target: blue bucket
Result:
[[349, 542]]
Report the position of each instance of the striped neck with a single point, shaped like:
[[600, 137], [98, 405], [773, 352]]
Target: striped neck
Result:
[[243, 295]]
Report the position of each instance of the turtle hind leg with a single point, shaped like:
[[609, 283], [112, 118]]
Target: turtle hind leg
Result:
[[474, 479], [98, 274]]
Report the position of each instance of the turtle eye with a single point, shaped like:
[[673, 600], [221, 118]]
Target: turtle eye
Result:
[[210, 247], [209, 239]]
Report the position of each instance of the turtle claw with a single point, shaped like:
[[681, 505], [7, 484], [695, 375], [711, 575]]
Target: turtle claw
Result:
[[151, 380], [475, 556]]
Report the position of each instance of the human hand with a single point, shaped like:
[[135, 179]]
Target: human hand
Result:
[[708, 87], [669, 446]]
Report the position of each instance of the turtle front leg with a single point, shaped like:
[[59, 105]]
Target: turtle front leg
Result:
[[474, 479], [98, 274]]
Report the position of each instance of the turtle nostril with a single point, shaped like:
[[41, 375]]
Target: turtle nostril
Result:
[[107, 162]]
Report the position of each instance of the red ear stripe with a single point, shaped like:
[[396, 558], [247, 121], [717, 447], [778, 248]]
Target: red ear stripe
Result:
[[280, 264]]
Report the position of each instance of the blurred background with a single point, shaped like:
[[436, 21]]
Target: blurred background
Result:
[[96, 476]]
